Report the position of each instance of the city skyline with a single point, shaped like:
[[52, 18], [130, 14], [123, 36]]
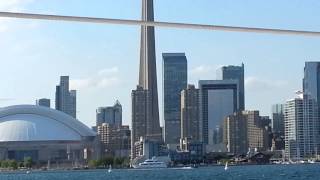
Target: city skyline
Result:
[[260, 80]]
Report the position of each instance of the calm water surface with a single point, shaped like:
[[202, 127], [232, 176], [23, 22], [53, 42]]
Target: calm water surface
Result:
[[290, 172]]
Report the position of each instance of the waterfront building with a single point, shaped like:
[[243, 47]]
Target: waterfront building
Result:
[[246, 130], [111, 115], [235, 73], [294, 130], [65, 99], [217, 99], [115, 140], [257, 130], [235, 134], [43, 102], [175, 79], [190, 122]]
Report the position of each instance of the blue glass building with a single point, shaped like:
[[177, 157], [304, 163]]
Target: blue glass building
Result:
[[175, 79], [234, 73]]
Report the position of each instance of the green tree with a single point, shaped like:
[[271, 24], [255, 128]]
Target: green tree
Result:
[[4, 164], [118, 161], [13, 164], [107, 161], [27, 162], [94, 163]]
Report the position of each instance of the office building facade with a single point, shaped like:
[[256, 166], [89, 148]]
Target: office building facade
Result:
[[175, 79], [190, 122], [65, 99], [235, 133], [234, 73], [218, 99], [311, 102], [278, 119], [115, 140]]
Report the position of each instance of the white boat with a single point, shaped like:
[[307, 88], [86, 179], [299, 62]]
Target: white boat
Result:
[[151, 164], [110, 169], [311, 161], [226, 166]]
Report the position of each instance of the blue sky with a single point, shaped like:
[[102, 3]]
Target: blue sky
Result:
[[102, 60]]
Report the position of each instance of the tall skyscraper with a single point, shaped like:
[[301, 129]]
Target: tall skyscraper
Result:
[[190, 124], [65, 99], [218, 99], [111, 115], [175, 79], [235, 73], [43, 102], [294, 132], [278, 119], [140, 116], [73, 103], [311, 105]]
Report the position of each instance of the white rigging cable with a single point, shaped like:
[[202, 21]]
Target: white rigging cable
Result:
[[158, 24]]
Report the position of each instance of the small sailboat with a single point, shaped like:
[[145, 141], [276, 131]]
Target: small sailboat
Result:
[[226, 166], [110, 169]]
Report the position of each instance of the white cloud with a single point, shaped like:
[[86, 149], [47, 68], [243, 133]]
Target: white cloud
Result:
[[103, 79], [11, 5], [260, 84], [108, 71], [202, 69]]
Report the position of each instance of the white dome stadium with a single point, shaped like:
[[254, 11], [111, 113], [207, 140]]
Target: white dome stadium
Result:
[[43, 134], [36, 123]]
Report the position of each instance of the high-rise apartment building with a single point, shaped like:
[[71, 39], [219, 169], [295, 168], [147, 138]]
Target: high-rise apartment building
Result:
[[235, 133], [258, 136], [65, 99], [234, 73], [246, 130], [140, 115], [115, 140], [190, 122], [294, 129], [175, 79], [111, 115]]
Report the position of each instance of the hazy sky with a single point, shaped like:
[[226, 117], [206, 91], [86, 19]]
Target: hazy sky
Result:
[[102, 60]]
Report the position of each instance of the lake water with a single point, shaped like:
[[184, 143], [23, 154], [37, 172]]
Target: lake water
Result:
[[252, 172]]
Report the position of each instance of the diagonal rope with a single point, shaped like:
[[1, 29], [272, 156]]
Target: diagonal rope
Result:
[[157, 24]]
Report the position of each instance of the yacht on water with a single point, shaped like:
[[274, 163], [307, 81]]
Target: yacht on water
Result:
[[150, 163]]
